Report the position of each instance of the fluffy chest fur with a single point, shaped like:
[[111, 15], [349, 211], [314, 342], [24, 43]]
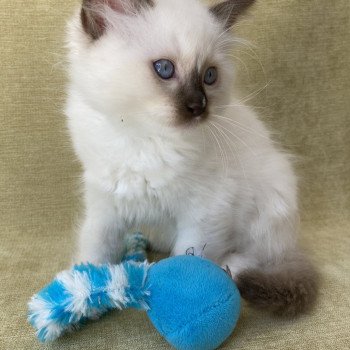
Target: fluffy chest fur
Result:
[[149, 177]]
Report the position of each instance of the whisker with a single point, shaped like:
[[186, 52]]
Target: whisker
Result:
[[238, 105], [230, 143], [203, 140], [246, 44], [254, 93], [217, 141], [256, 59], [213, 139], [224, 32], [240, 60], [239, 139], [234, 152], [216, 40], [226, 156], [241, 126], [222, 150]]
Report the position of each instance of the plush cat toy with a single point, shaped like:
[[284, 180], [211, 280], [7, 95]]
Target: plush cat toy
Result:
[[191, 301]]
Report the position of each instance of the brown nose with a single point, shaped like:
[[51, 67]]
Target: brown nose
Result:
[[197, 105]]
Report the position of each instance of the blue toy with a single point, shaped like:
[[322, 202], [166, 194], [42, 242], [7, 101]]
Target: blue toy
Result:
[[192, 302]]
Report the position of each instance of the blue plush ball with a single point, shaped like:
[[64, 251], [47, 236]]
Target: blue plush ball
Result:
[[194, 304]]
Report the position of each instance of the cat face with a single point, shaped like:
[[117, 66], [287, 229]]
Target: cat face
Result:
[[155, 62]]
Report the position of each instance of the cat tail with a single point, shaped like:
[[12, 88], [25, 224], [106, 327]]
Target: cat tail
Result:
[[287, 288]]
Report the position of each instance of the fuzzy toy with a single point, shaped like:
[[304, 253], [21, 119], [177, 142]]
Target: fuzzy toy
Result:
[[191, 301]]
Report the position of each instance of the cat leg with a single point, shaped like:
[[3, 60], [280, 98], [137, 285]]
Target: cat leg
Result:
[[101, 236], [188, 241]]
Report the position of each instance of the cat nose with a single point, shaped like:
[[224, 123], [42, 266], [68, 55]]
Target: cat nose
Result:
[[197, 105]]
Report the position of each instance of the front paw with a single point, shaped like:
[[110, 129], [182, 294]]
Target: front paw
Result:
[[189, 250]]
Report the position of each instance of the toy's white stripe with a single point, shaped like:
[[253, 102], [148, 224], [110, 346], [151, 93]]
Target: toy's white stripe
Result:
[[53, 331], [146, 265], [40, 314], [79, 286], [117, 286], [40, 311]]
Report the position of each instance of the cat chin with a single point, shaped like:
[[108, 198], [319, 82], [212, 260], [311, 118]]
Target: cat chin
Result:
[[182, 123]]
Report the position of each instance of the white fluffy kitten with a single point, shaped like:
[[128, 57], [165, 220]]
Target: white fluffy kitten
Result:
[[167, 150]]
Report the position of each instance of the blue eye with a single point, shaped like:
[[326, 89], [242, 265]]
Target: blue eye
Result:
[[164, 68], [211, 75]]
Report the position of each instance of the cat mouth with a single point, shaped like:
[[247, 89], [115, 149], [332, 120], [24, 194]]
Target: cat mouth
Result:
[[193, 121]]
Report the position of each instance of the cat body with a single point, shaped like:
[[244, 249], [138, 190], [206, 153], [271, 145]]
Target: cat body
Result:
[[166, 149]]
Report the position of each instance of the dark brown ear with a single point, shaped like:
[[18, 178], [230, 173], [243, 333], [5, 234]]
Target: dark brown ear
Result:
[[229, 11], [92, 17]]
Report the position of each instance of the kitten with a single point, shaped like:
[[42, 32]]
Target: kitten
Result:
[[167, 150]]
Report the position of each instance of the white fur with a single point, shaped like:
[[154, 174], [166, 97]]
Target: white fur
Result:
[[230, 189]]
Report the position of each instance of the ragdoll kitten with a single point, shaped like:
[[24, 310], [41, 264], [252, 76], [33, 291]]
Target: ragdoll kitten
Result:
[[167, 150]]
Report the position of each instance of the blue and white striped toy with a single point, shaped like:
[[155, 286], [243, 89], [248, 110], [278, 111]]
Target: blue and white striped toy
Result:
[[191, 301]]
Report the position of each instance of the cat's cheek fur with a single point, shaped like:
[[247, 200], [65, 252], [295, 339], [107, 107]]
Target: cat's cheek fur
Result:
[[222, 187]]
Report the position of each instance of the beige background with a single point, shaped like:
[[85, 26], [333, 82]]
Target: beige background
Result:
[[301, 48]]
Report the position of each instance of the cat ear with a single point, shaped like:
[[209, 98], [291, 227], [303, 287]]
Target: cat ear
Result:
[[229, 11], [92, 13]]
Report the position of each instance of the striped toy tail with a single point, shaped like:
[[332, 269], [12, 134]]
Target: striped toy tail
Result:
[[136, 248], [86, 292]]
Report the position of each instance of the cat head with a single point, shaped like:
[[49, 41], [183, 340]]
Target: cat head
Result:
[[154, 62]]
